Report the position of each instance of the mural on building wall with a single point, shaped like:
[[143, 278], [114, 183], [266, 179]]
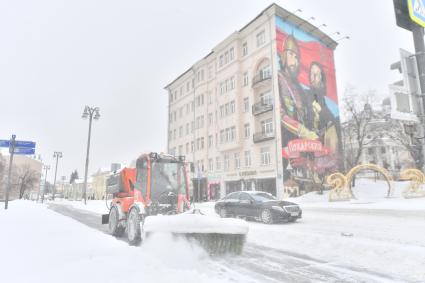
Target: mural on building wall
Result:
[[310, 127]]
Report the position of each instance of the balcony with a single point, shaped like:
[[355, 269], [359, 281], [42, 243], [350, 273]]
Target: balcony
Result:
[[263, 136], [261, 78], [261, 107]]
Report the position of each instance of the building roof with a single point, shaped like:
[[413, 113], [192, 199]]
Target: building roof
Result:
[[290, 18]]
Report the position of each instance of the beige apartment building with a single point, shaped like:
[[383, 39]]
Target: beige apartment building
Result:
[[224, 111]]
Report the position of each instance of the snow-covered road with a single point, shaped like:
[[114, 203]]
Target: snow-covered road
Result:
[[270, 254], [383, 245]]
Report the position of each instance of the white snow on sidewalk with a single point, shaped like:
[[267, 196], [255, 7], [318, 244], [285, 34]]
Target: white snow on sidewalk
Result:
[[39, 245]]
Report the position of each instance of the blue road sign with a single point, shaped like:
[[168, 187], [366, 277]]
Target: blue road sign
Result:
[[25, 144], [4, 143], [24, 150]]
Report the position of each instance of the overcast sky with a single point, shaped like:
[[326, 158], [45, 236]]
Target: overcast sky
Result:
[[58, 56]]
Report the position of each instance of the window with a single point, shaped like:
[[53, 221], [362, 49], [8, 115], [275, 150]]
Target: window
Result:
[[237, 160], [266, 98], [174, 134], [175, 115], [218, 163], [222, 87], [383, 150], [171, 97], [222, 136], [210, 165], [221, 111], [232, 107], [187, 148], [267, 126], [198, 143], [245, 79], [265, 156], [170, 135], [244, 49], [247, 158], [180, 150], [226, 109], [202, 143], [210, 141], [232, 133], [226, 162], [227, 139], [232, 83], [187, 128], [265, 72], [210, 119], [181, 112], [246, 104], [192, 146], [181, 131], [232, 54], [261, 38], [187, 108], [247, 131], [187, 86], [226, 57]]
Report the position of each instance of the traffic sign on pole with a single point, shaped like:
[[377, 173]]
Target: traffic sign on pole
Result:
[[4, 143], [24, 144], [23, 150]]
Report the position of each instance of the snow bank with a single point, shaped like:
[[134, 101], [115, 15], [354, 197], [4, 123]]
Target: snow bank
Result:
[[195, 223], [41, 246], [369, 195]]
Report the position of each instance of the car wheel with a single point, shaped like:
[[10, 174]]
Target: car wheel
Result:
[[115, 228], [223, 213], [266, 216], [133, 227]]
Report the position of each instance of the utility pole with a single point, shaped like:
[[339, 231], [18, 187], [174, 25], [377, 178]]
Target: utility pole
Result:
[[45, 167], [91, 113], [9, 174], [57, 155], [418, 40]]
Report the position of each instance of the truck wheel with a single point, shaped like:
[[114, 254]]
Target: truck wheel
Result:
[[115, 228], [266, 216], [133, 227]]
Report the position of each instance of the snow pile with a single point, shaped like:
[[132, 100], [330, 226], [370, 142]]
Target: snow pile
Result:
[[369, 194], [40, 245], [194, 223]]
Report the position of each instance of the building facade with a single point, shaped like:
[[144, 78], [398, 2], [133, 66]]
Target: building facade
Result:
[[244, 112], [386, 143]]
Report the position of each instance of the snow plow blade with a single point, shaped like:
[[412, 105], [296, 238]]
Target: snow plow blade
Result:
[[216, 235]]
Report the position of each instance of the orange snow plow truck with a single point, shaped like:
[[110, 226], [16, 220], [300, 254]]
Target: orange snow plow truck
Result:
[[154, 198]]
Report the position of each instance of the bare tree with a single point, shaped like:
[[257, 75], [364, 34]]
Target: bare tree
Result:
[[413, 145], [25, 179], [359, 114]]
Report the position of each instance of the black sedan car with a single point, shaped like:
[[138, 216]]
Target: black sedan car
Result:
[[257, 205]]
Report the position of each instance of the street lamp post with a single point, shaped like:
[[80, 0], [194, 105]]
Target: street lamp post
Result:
[[91, 113], [57, 155], [45, 167]]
